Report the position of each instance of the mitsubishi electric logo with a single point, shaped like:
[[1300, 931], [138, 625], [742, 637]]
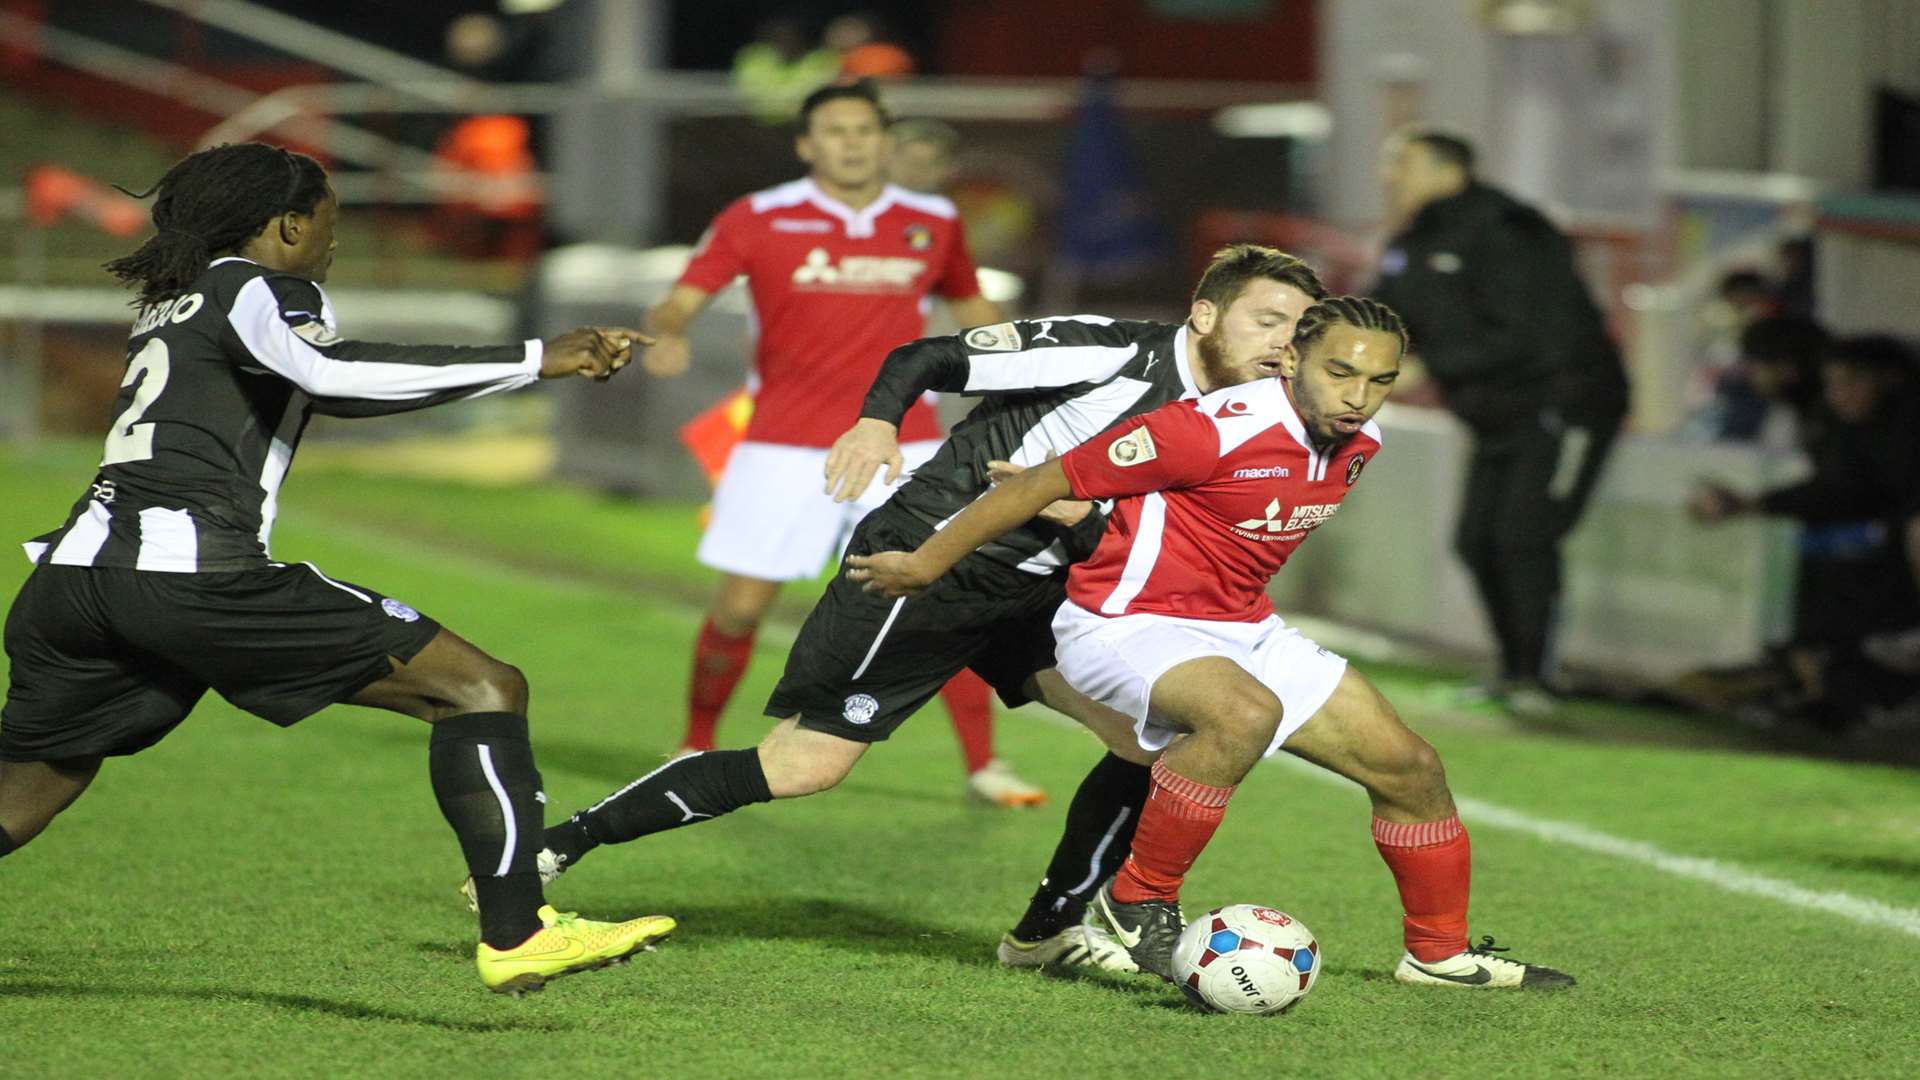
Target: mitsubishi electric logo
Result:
[[858, 273], [1270, 523], [1303, 517]]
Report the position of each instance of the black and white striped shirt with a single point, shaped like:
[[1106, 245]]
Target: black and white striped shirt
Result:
[[1050, 384], [219, 385]]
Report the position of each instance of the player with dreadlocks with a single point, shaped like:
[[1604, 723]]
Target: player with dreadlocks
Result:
[[160, 585], [1169, 623]]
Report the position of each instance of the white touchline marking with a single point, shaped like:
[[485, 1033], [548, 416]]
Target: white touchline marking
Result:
[[1722, 875]]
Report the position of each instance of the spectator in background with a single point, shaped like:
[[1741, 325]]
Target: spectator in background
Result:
[[780, 67], [1858, 511], [1749, 295], [1769, 396], [922, 156], [1522, 355], [491, 209], [861, 41], [1723, 405]]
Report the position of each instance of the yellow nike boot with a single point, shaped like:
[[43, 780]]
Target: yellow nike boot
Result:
[[565, 944]]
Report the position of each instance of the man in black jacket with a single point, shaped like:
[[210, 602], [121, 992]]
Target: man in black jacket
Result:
[[1506, 328]]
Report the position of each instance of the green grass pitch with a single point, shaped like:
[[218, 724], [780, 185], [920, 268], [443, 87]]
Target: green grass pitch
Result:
[[248, 901]]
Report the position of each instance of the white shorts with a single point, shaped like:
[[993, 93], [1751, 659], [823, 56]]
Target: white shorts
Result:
[[772, 518], [1116, 661]]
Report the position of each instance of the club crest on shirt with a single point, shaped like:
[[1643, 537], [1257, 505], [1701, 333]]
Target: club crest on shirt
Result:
[[1135, 448], [1000, 337], [919, 237], [1446, 262], [1353, 468], [399, 610]]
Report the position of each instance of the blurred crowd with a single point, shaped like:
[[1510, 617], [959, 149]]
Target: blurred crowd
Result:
[[1850, 405]]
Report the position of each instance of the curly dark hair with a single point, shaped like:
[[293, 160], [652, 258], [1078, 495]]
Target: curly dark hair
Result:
[[211, 202]]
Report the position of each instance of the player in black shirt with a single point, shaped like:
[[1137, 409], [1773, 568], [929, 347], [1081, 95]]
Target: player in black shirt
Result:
[[863, 664], [160, 585]]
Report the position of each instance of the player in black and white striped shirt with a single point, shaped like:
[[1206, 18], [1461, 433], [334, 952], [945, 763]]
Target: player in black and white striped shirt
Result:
[[160, 585], [863, 664]]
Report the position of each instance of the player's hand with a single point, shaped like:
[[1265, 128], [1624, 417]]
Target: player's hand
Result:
[[1712, 503], [858, 453], [892, 574], [594, 352], [1067, 512], [668, 357]]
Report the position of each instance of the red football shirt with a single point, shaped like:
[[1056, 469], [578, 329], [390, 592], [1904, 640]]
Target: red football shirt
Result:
[[1214, 494], [834, 290]]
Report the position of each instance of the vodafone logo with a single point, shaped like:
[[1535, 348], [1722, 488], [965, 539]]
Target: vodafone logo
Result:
[[858, 273]]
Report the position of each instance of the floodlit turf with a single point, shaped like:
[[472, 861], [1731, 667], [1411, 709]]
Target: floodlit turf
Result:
[[245, 900]]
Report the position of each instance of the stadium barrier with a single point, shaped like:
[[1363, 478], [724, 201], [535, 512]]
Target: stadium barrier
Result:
[[1648, 593]]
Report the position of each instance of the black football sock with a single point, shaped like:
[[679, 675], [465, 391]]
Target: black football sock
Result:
[[697, 787], [489, 791], [1099, 833], [6, 844]]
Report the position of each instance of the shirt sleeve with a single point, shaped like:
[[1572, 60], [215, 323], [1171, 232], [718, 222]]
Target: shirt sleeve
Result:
[[1174, 446], [284, 324], [959, 278], [721, 256], [1011, 357]]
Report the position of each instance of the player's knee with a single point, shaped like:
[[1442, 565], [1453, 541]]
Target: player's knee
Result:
[[734, 621], [799, 762], [792, 774], [495, 686], [1410, 770], [1249, 716]]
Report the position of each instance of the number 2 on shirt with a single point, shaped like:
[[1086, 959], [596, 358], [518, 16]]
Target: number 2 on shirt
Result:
[[129, 439]]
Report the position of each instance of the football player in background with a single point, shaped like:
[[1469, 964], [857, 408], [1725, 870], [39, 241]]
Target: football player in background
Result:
[[840, 265], [160, 585], [1169, 624]]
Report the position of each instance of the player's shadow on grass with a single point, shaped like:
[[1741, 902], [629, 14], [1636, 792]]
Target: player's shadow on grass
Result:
[[345, 1010], [835, 923]]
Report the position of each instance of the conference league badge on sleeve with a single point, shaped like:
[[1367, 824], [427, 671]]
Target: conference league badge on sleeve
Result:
[[1001, 337], [1136, 447], [317, 334]]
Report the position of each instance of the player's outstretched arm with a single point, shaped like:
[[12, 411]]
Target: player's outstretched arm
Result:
[[594, 352], [1006, 507], [667, 322]]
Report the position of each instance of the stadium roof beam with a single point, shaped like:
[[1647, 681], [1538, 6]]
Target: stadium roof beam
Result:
[[341, 52], [176, 82]]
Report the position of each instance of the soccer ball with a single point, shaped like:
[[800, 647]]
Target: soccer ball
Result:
[[1244, 958]]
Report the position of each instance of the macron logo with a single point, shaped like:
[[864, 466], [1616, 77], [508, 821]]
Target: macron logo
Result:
[[1261, 474]]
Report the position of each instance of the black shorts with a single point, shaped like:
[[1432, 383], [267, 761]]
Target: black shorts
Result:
[[107, 661], [863, 663]]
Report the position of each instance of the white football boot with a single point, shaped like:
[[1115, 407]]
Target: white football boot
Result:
[[1081, 945], [997, 784], [1479, 967]]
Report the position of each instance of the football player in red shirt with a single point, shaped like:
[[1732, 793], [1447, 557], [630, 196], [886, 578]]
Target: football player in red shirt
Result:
[[840, 265], [1169, 623]]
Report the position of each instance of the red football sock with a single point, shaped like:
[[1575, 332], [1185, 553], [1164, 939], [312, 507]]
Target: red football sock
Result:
[[970, 703], [718, 662], [1432, 863], [1175, 825]]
